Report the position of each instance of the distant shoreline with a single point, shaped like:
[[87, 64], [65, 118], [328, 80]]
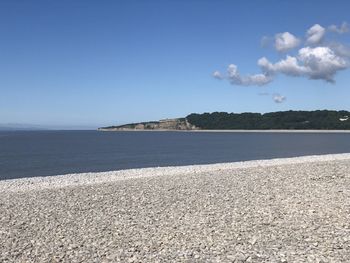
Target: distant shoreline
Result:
[[248, 122], [232, 131], [91, 178]]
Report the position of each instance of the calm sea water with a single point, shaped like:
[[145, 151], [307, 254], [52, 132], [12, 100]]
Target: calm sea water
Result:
[[42, 153]]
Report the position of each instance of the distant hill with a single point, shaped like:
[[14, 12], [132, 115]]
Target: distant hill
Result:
[[166, 124], [296, 120], [282, 120]]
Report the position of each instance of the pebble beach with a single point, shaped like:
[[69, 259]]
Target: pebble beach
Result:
[[279, 210]]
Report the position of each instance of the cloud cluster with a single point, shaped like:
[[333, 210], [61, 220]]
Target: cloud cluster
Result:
[[317, 59], [278, 98], [315, 34], [235, 78], [343, 28], [286, 41], [217, 75], [311, 62]]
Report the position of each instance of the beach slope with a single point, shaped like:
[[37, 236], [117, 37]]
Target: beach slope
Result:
[[282, 210]]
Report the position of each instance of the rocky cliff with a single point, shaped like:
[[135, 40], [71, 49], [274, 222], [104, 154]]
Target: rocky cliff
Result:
[[166, 124]]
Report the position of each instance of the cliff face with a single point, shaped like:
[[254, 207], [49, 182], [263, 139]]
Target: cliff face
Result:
[[166, 124]]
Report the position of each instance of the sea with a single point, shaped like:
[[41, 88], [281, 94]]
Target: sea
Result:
[[49, 153]]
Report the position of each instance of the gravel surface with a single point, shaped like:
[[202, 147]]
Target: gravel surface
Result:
[[282, 210]]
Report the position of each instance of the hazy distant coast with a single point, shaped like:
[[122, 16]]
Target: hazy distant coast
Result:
[[281, 210]]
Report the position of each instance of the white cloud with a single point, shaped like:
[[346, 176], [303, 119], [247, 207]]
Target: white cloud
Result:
[[315, 34], [217, 75], [278, 98], [235, 78], [318, 59], [286, 41], [314, 63], [340, 49], [343, 28], [321, 62], [288, 66]]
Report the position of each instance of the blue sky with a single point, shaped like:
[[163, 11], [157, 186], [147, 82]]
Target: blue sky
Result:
[[94, 63]]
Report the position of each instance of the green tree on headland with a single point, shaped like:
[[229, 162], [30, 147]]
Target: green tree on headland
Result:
[[319, 119]]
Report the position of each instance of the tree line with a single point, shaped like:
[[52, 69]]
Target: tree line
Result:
[[319, 119]]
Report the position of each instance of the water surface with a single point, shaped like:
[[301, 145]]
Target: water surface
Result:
[[43, 153]]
